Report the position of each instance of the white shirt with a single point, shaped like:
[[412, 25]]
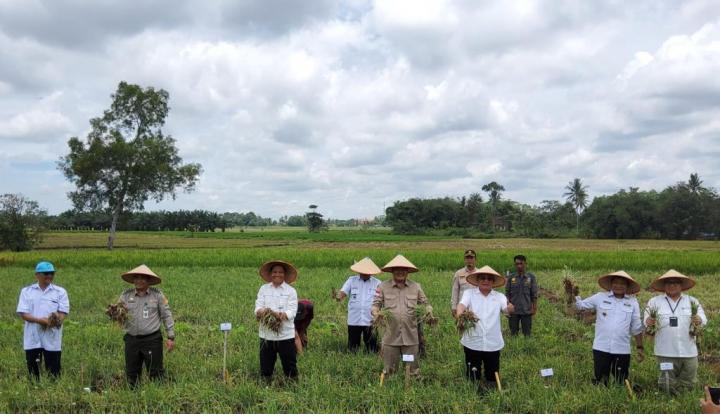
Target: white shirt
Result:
[[40, 304], [360, 295], [675, 341], [486, 336], [279, 299], [616, 321]]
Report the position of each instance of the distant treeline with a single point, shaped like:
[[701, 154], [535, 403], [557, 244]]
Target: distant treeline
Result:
[[182, 220], [682, 211]]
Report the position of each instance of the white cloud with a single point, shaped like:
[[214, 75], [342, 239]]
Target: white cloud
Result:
[[354, 106]]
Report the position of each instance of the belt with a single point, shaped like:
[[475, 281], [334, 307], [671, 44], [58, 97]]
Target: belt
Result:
[[143, 336]]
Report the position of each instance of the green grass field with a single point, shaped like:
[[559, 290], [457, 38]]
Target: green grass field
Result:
[[217, 282]]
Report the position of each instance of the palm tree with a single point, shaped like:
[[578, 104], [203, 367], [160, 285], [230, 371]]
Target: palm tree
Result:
[[493, 189], [695, 184], [577, 196]]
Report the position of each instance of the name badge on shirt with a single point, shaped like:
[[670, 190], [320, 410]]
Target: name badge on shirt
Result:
[[146, 312], [673, 321]]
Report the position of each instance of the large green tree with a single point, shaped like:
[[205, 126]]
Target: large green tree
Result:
[[576, 195], [126, 159]]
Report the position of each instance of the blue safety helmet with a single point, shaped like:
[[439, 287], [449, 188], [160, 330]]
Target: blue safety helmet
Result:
[[44, 267]]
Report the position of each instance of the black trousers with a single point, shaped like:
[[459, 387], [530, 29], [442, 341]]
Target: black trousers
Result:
[[605, 364], [489, 362], [51, 358], [269, 351], [368, 337], [517, 320], [144, 350]]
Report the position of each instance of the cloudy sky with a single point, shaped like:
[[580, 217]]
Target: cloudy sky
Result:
[[353, 106]]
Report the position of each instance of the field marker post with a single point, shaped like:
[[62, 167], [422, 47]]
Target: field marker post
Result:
[[408, 359], [382, 378], [666, 367], [225, 328], [629, 389], [546, 374], [497, 381]]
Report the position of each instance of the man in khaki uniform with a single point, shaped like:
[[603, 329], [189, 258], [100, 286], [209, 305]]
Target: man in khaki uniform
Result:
[[147, 307], [459, 282], [400, 296]]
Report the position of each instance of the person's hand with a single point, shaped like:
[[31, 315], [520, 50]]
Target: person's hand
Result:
[[707, 406], [649, 322], [281, 315], [510, 308], [640, 356], [695, 319], [42, 321], [170, 344], [533, 310]]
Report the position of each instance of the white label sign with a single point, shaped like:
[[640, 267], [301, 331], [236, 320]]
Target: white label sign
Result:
[[546, 372], [666, 366], [226, 326], [408, 358]]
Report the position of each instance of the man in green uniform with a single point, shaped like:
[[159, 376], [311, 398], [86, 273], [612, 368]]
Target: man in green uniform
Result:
[[147, 307]]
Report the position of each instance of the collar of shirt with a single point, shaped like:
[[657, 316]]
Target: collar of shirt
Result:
[[147, 292], [396, 285], [281, 287], [37, 286], [672, 300]]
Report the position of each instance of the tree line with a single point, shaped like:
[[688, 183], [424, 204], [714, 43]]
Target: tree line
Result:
[[686, 210]]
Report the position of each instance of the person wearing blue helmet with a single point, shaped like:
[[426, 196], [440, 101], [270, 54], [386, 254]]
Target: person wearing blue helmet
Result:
[[43, 306]]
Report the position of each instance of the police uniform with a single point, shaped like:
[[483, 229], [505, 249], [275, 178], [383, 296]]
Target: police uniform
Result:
[[459, 286], [143, 339], [401, 335]]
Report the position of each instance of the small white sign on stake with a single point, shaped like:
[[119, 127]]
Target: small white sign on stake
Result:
[[408, 358], [666, 366], [225, 326], [546, 372]]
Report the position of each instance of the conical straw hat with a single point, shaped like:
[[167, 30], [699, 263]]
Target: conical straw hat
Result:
[[291, 272], [141, 270], [605, 282], [400, 261], [659, 283], [365, 267], [472, 278]]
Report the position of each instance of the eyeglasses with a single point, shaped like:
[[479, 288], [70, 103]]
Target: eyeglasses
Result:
[[48, 274]]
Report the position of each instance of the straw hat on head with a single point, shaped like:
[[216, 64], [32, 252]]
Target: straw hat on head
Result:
[[365, 267], [291, 272], [605, 282], [473, 278], [141, 270], [402, 262], [659, 284]]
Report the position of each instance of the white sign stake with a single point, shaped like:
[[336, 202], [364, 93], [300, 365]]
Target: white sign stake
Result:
[[546, 374], [225, 328], [666, 367]]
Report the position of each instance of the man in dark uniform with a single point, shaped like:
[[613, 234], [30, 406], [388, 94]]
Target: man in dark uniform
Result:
[[521, 290], [147, 307]]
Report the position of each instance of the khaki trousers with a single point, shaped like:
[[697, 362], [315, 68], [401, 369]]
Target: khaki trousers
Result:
[[392, 355], [683, 375]]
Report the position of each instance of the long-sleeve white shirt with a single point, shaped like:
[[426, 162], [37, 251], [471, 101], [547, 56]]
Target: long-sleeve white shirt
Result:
[[617, 319], [360, 295], [674, 341], [486, 336], [279, 299]]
